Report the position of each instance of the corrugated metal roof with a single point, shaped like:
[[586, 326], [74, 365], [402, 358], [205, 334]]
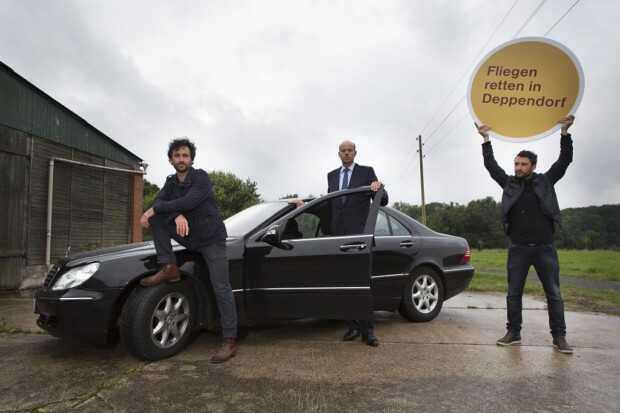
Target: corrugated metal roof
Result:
[[25, 107]]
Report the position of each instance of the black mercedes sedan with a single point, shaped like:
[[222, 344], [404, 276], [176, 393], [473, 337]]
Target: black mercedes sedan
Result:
[[283, 262]]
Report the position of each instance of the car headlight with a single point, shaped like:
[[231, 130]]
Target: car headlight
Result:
[[76, 276]]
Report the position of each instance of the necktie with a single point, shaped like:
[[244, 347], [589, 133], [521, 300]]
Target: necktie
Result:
[[345, 184]]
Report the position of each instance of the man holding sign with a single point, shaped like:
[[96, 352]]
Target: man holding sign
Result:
[[529, 213]]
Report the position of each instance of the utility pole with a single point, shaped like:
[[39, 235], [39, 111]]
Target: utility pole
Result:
[[422, 179]]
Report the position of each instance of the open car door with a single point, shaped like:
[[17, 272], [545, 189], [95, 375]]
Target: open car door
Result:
[[297, 269]]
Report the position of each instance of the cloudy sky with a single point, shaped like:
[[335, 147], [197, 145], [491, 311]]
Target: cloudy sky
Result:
[[268, 89]]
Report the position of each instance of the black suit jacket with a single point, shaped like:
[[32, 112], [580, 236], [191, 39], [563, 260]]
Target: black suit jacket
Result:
[[350, 217]]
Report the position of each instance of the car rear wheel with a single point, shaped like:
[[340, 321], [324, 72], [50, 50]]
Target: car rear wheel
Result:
[[157, 322], [423, 296]]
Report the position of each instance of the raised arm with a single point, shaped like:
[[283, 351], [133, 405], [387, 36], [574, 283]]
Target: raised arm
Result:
[[558, 169], [496, 172]]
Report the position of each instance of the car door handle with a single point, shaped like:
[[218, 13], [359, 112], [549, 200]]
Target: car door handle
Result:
[[406, 244], [358, 247]]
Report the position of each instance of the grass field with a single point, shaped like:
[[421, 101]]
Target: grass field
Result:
[[594, 265]]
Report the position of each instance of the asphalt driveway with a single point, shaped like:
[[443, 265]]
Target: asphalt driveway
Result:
[[450, 364]]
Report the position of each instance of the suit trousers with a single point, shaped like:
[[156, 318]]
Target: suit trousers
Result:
[[364, 326]]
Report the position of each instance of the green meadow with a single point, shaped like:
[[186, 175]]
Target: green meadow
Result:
[[599, 266], [602, 265]]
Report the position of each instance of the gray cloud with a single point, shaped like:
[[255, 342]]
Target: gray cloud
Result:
[[269, 89]]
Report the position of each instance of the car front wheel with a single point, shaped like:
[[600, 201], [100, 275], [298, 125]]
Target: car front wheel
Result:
[[157, 322], [423, 296]]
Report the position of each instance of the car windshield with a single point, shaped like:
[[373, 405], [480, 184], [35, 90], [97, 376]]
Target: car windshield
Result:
[[243, 222]]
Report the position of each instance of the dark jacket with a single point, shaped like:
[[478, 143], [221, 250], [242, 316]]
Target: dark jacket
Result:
[[350, 217], [543, 184], [194, 199]]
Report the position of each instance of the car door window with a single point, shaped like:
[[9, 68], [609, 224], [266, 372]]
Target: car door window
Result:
[[389, 226], [305, 225], [382, 228], [398, 229], [315, 222], [292, 230]]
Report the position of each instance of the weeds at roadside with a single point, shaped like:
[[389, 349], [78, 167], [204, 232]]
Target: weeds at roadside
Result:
[[36, 407], [5, 328], [110, 383], [106, 385]]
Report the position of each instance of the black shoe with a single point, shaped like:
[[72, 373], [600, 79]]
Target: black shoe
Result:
[[561, 345], [351, 335], [371, 340], [509, 339]]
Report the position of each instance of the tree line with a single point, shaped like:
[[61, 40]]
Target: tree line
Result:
[[593, 227]]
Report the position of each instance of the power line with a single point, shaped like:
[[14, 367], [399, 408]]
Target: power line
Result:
[[527, 21], [400, 176], [560, 19], [406, 172], [445, 119], [400, 167], [432, 134], [448, 133], [475, 59], [481, 50]]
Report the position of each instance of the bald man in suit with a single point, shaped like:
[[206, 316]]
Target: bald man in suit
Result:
[[349, 217]]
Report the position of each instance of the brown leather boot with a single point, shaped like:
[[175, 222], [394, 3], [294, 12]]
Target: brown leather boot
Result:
[[167, 272], [227, 351]]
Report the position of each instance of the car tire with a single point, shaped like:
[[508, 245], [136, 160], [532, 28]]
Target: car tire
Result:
[[157, 322], [423, 296]]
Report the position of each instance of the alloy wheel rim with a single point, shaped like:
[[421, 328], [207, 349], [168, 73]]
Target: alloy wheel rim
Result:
[[425, 294], [170, 320]]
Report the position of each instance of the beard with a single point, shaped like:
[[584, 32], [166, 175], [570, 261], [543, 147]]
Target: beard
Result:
[[523, 175], [180, 167]]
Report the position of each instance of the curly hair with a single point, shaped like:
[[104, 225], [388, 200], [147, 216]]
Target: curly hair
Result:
[[175, 144]]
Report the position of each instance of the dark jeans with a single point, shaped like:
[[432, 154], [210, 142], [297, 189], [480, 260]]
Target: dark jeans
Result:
[[544, 258], [364, 326], [214, 255]]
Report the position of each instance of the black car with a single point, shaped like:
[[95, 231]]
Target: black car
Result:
[[283, 263]]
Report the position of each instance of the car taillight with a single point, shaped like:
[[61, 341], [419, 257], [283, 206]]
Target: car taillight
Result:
[[467, 257]]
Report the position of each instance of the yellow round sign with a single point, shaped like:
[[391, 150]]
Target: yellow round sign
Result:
[[523, 87]]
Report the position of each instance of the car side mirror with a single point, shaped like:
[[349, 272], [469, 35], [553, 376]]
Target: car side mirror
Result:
[[272, 236]]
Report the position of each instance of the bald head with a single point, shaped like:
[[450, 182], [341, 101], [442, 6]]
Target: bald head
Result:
[[347, 152]]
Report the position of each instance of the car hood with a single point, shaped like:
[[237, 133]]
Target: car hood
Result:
[[107, 253]]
